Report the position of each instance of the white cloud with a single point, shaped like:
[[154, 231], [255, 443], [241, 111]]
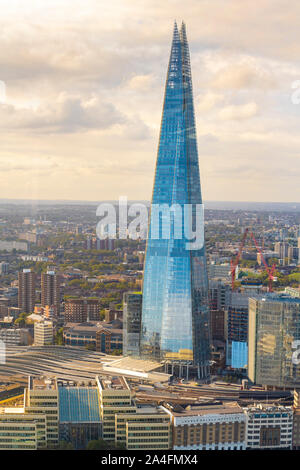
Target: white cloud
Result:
[[141, 82], [85, 83], [244, 111]]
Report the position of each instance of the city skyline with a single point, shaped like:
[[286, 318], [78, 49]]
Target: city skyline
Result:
[[80, 110]]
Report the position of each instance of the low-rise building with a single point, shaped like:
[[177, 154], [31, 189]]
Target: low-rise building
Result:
[[208, 427], [34, 425], [15, 336], [269, 426], [137, 427]]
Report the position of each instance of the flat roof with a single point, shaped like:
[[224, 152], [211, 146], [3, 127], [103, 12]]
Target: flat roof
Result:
[[196, 410], [114, 383], [42, 383]]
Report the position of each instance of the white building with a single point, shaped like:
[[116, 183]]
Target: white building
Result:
[[269, 426], [15, 336], [43, 333]]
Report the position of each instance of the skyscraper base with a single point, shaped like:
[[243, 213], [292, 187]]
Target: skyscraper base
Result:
[[187, 370]]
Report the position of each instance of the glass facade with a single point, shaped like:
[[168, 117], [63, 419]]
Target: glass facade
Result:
[[175, 311], [274, 324], [132, 309]]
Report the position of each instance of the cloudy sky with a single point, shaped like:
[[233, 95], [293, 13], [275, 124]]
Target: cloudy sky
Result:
[[84, 81]]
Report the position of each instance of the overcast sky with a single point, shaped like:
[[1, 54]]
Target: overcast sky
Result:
[[84, 83]]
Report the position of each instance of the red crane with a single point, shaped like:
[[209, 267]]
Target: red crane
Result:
[[233, 264]]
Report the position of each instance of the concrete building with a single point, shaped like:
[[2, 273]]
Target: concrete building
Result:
[[148, 428], [82, 310], [34, 425], [281, 249], [50, 290], [269, 426], [43, 333], [208, 427], [22, 431], [13, 245], [26, 293], [115, 397], [41, 397], [15, 336], [4, 267], [138, 427], [219, 271]]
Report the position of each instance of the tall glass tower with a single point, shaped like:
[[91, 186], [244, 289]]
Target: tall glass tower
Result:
[[175, 310]]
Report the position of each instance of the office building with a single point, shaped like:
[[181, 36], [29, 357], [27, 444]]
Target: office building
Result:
[[208, 427], [79, 415], [132, 312], [43, 333], [175, 311], [269, 426], [109, 338], [137, 426], [15, 336], [274, 325], [115, 397], [26, 293], [236, 328], [22, 431], [50, 290], [148, 428]]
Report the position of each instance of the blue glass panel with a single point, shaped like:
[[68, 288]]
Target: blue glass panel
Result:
[[239, 355], [175, 313]]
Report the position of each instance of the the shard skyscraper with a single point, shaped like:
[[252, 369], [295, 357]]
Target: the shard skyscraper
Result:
[[175, 311]]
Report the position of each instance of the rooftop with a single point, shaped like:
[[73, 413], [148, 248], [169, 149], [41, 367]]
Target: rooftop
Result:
[[199, 410], [41, 383], [78, 404], [114, 383]]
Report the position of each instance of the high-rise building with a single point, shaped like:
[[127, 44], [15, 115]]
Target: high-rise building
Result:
[[4, 268], [281, 248], [175, 311], [26, 293], [274, 330], [50, 290], [132, 311]]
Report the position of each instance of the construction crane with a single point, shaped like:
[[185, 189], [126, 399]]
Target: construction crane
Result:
[[233, 264]]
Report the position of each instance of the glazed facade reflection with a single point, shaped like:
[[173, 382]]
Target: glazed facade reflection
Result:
[[274, 326], [175, 312]]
